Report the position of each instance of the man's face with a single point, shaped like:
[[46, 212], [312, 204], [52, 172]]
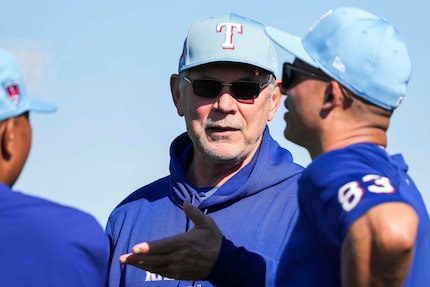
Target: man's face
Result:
[[222, 128], [305, 96]]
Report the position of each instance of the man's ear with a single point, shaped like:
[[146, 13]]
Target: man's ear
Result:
[[7, 138], [176, 93], [333, 96], [276, 100]]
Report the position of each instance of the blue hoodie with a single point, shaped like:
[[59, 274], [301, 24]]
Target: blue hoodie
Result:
[[45, 244], [256, 209]]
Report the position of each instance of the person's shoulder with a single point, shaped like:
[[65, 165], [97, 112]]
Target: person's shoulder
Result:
[[352, 160], [143, 198], [279, 155], [57, 213], [70, 225], [48, 219], [152, 191], [36, 205], [352, 155]]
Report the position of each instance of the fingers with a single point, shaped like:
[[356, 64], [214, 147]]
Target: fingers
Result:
[[124, 258], [195, 214], [200, 220], [168, 244], [147, 262], [171, 266], [188, 255], [141, 248], [164, 246]]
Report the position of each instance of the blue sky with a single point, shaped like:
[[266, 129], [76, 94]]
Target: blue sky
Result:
[[106, 65]]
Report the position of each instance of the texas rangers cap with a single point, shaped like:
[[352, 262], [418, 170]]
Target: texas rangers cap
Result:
[[361, 51], [14, 99], [228, 38]]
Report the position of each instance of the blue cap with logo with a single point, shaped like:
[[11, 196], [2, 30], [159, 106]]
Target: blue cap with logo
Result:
[[228, 38], [14, 99], [361, 51]]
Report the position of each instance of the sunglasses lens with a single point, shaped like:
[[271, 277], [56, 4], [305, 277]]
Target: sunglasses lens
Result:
[[286, 76], [206, 88], [245, 90], [241, 90]]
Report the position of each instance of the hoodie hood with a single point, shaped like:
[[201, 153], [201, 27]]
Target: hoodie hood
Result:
[[264, 171]]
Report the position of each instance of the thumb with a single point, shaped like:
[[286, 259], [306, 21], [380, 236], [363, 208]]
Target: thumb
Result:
[[195, 214]]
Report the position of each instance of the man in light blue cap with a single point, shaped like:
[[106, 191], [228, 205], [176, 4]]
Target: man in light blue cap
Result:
[[362, 220], [226, 165], [42, 243]]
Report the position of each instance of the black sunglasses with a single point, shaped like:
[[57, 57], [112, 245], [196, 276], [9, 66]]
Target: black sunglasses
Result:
[[288, 75], [241, 90]]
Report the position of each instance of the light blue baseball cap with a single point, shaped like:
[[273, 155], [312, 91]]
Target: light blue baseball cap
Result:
[[14, 99], [361, 51], [228, 38]]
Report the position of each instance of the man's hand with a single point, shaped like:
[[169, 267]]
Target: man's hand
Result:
[[186, 256]]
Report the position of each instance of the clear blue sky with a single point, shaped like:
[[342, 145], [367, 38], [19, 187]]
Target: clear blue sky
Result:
[[106, 65]]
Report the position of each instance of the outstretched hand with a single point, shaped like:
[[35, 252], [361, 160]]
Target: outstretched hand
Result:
[[186, 256]]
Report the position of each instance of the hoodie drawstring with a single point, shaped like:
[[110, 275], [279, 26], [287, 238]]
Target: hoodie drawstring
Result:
[[187, 228]]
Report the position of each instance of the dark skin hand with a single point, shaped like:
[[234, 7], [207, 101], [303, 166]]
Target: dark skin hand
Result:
[[186, 256]]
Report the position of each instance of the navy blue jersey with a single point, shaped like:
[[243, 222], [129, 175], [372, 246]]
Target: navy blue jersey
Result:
[[335, 190], [256, 209], [45, 244]]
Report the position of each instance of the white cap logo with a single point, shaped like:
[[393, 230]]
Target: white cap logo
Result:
[[229, 27], [338, 64]]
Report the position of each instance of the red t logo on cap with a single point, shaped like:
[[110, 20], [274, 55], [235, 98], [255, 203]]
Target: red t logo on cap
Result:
[[13, 93]]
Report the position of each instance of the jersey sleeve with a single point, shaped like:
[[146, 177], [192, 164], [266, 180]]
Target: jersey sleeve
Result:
[[362, 192], [334, 196]]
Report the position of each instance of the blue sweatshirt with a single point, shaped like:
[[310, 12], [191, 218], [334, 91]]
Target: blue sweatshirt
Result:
[[45, 244], [256, 210], [336, 189]]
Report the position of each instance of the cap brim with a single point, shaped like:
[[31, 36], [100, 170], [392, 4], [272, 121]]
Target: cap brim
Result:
[[291, 44], [41, 107]]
